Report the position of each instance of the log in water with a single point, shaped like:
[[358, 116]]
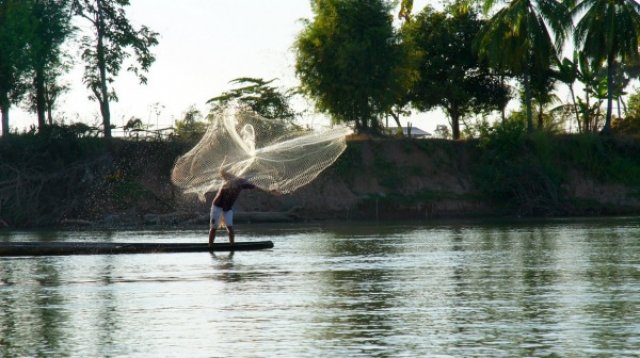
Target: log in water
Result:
[[97, 248]]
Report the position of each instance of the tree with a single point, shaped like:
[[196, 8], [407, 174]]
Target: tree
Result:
[[406, 6], [451, 74], [260, 96], [15, 28], [518, 38], [589, 74], [567, 73], [257, 96], [51, 20], [630, 125], [347, 59], [608, 31], [542, 85], [191, 127], [106, 49]]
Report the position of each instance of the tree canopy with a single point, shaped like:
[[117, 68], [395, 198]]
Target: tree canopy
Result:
[[51, 21], [349, 60], [451, 74], [358, 61], [15, 33], [519, 38], [608, 31], [105, 50]]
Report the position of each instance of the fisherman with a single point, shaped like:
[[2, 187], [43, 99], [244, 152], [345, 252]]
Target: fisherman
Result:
[[222, 204]]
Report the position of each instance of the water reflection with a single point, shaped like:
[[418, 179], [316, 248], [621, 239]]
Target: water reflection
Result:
[[223, 268], [31, 319], [612, 274], [353, 292], [386, 291]]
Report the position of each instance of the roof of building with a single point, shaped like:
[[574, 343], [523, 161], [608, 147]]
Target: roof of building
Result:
[[415, 132]]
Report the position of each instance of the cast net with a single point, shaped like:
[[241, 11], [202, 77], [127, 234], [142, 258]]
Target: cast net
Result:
[[255, 148]]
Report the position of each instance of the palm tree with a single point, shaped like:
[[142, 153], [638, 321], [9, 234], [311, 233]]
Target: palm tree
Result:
[[608, 31], [518, 37], [567, 73]]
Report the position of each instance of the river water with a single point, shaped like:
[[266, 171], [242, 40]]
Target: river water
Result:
[[568, 288]]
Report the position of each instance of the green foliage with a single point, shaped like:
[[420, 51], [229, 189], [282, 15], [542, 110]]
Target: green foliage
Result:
[[51, 21], [14, 38], [105, 50], [442, 131], [452, 77], [518, 38], [517, 172], [275, 115], [608, 31], [630, 124], [350, 62], [406, 6], [45, 176], [260, 96], [526, 173], [633, 105], [605, 159], [192, 126]]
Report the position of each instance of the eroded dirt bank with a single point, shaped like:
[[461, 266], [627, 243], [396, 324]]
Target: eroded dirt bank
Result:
[[376, 178], [416, 179]]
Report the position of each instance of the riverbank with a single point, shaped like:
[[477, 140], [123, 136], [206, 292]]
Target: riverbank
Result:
[[63, 182]]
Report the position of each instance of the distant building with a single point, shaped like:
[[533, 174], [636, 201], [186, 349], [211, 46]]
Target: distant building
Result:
[[415, 132]]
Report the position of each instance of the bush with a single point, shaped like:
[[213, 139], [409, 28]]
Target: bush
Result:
[[517, 171]]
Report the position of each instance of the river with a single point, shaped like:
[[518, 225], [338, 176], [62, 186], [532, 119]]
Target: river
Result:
[[568, 288]]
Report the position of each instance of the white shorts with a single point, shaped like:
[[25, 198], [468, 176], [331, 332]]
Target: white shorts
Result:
[[217, 213]]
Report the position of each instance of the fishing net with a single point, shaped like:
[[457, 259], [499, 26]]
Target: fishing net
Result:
[[265, 152]]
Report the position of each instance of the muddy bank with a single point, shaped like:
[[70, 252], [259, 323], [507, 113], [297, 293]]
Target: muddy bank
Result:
[[387, 179], [130, 186]]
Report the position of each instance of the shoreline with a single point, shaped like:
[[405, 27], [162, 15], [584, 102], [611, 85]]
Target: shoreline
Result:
[[396, 179], [332, 222]]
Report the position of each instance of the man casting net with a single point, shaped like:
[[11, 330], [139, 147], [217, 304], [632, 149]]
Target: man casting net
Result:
[[245, 145]]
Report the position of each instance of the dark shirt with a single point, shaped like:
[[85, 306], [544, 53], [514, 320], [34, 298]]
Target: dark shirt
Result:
[[229, 192]]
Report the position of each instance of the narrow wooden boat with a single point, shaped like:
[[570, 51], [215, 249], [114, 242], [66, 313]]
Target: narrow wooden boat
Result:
[[110, 248]]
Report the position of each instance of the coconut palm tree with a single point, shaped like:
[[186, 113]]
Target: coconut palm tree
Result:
[[518, 37], [608, 31]]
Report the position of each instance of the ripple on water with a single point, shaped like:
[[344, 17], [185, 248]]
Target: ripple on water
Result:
[[471, 290]]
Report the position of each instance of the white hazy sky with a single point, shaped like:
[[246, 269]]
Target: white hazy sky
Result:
[[203, 45]]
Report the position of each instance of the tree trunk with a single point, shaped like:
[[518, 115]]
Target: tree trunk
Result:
[[4, 108], [606, 129], [540, 117], [49, 101], [503, 110], [455, 123], [38, 82], [527, 100], [396, 117], [575, 107], [618, 100], [103, 98], [587, 114]]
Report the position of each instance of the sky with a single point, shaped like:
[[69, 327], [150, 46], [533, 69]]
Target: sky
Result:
[[203, 44]]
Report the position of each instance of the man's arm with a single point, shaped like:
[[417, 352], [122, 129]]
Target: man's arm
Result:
[[274, 192], [248, 185], [223, 172], [226, 175]]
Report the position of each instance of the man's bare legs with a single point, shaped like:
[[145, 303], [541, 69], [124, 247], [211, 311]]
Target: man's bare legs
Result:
[[232, 234], [212, 235]]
